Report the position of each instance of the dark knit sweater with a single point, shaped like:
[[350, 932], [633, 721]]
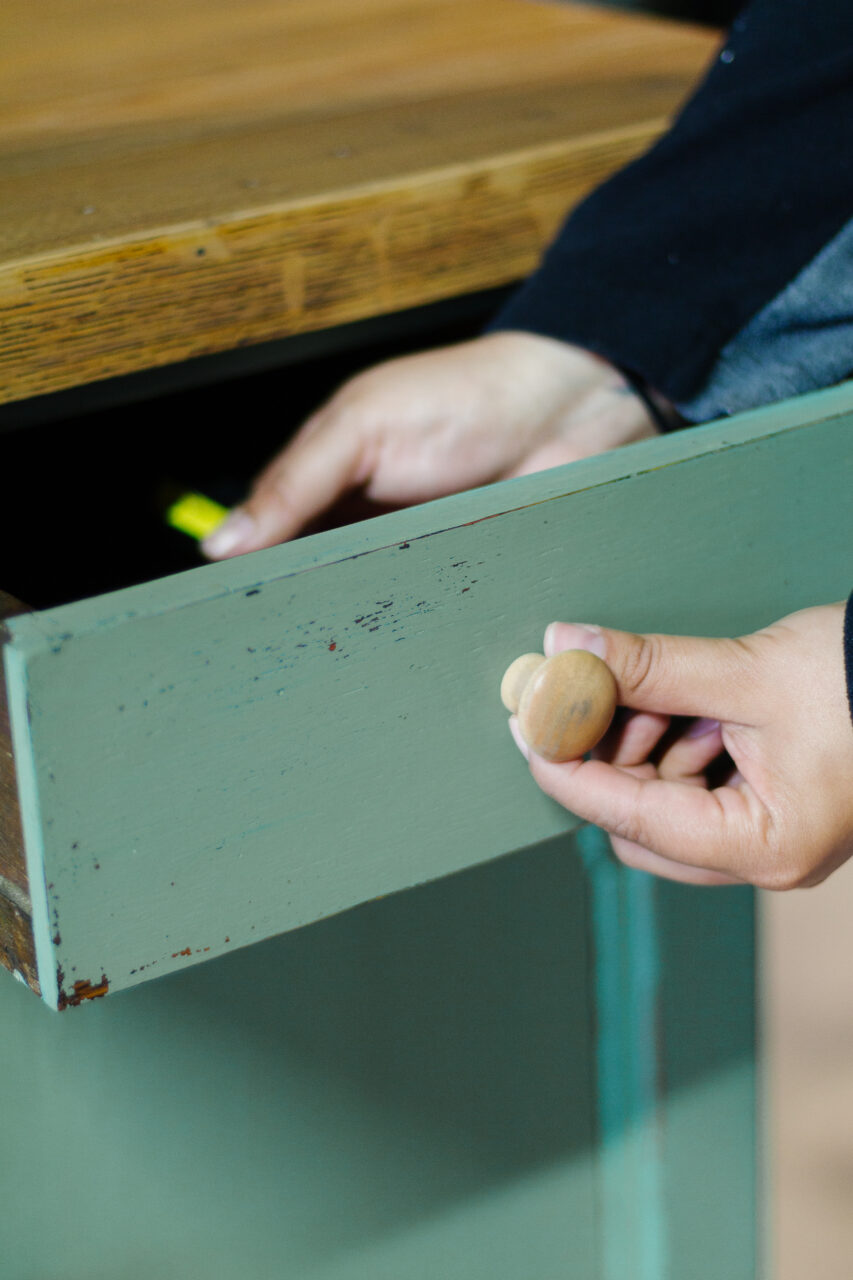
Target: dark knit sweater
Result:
[[662, 265]]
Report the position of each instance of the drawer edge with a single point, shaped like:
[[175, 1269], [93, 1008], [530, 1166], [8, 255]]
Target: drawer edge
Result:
[[17, 941]]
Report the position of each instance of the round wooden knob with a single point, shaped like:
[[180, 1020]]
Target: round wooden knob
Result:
[[564, 704]]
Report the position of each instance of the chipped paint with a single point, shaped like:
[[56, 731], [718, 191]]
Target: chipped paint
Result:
[[83, 989]]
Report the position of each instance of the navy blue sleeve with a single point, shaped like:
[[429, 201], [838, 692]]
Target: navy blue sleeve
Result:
[[667, 261]]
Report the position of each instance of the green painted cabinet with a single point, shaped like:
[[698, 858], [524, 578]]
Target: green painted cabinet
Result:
[[440, 1033]]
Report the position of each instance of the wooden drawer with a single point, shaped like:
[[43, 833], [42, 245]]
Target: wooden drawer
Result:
[[219, 756]]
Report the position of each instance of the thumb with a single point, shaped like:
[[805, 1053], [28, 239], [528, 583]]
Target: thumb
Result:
[[675, 675]]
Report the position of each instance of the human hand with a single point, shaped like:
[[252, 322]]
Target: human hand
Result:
[[773, 712], [426, 425]]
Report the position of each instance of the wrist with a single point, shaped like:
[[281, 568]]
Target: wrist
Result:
[[663, 412], [577, 366]]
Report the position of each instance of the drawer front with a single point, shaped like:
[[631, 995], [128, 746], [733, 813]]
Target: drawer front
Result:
[[221, 756]]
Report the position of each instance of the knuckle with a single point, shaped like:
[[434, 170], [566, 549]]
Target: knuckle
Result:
[[745, 667], [346, 400], [628, 852], [779, 878], [642, 664], [633, 826], [777, 870], [362, 387], [276, 496], [274, 490]]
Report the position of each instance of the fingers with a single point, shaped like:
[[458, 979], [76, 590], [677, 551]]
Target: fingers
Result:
[[711, 830], [632, 738], [692, 753], [326, 458], [686, 824], [678, 675], [632, 855], [307, 477], [784, 818], [636, 737], [646, 831]]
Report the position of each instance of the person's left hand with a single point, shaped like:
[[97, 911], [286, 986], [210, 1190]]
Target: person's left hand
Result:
[[426, 425]]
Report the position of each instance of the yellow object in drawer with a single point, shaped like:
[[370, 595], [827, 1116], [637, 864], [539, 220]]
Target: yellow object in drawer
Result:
[[196, 515]]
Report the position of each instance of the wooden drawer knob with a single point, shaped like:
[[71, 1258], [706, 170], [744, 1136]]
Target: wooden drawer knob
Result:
[[564, 704]]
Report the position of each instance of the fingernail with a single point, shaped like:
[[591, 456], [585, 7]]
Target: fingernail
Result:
[[519, 741], [574, 635], [702, 726], [228, 537]]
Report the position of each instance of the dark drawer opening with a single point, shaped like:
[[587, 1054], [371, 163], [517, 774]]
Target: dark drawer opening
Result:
[[86, 489]]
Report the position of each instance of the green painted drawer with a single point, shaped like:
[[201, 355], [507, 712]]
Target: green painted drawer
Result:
[[538, 1066], [219, 756]]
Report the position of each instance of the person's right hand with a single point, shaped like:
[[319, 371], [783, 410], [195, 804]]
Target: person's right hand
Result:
[[427, 425], [772, 711]]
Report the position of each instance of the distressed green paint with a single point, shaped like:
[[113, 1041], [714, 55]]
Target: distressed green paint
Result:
[[215, 758]]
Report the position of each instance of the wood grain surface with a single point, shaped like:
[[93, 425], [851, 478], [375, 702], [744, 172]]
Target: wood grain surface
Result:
[[184, 179], [17, 948]]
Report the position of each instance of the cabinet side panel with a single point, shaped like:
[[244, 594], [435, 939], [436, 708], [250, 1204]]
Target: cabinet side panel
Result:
[[404, 1092]]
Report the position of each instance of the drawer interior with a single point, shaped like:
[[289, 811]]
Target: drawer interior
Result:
[[85, 497]]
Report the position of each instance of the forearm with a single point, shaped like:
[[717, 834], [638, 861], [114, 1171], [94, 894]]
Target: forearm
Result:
[[665, 265]]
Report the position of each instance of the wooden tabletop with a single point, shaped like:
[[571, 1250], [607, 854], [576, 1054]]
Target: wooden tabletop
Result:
[[182, 179]]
